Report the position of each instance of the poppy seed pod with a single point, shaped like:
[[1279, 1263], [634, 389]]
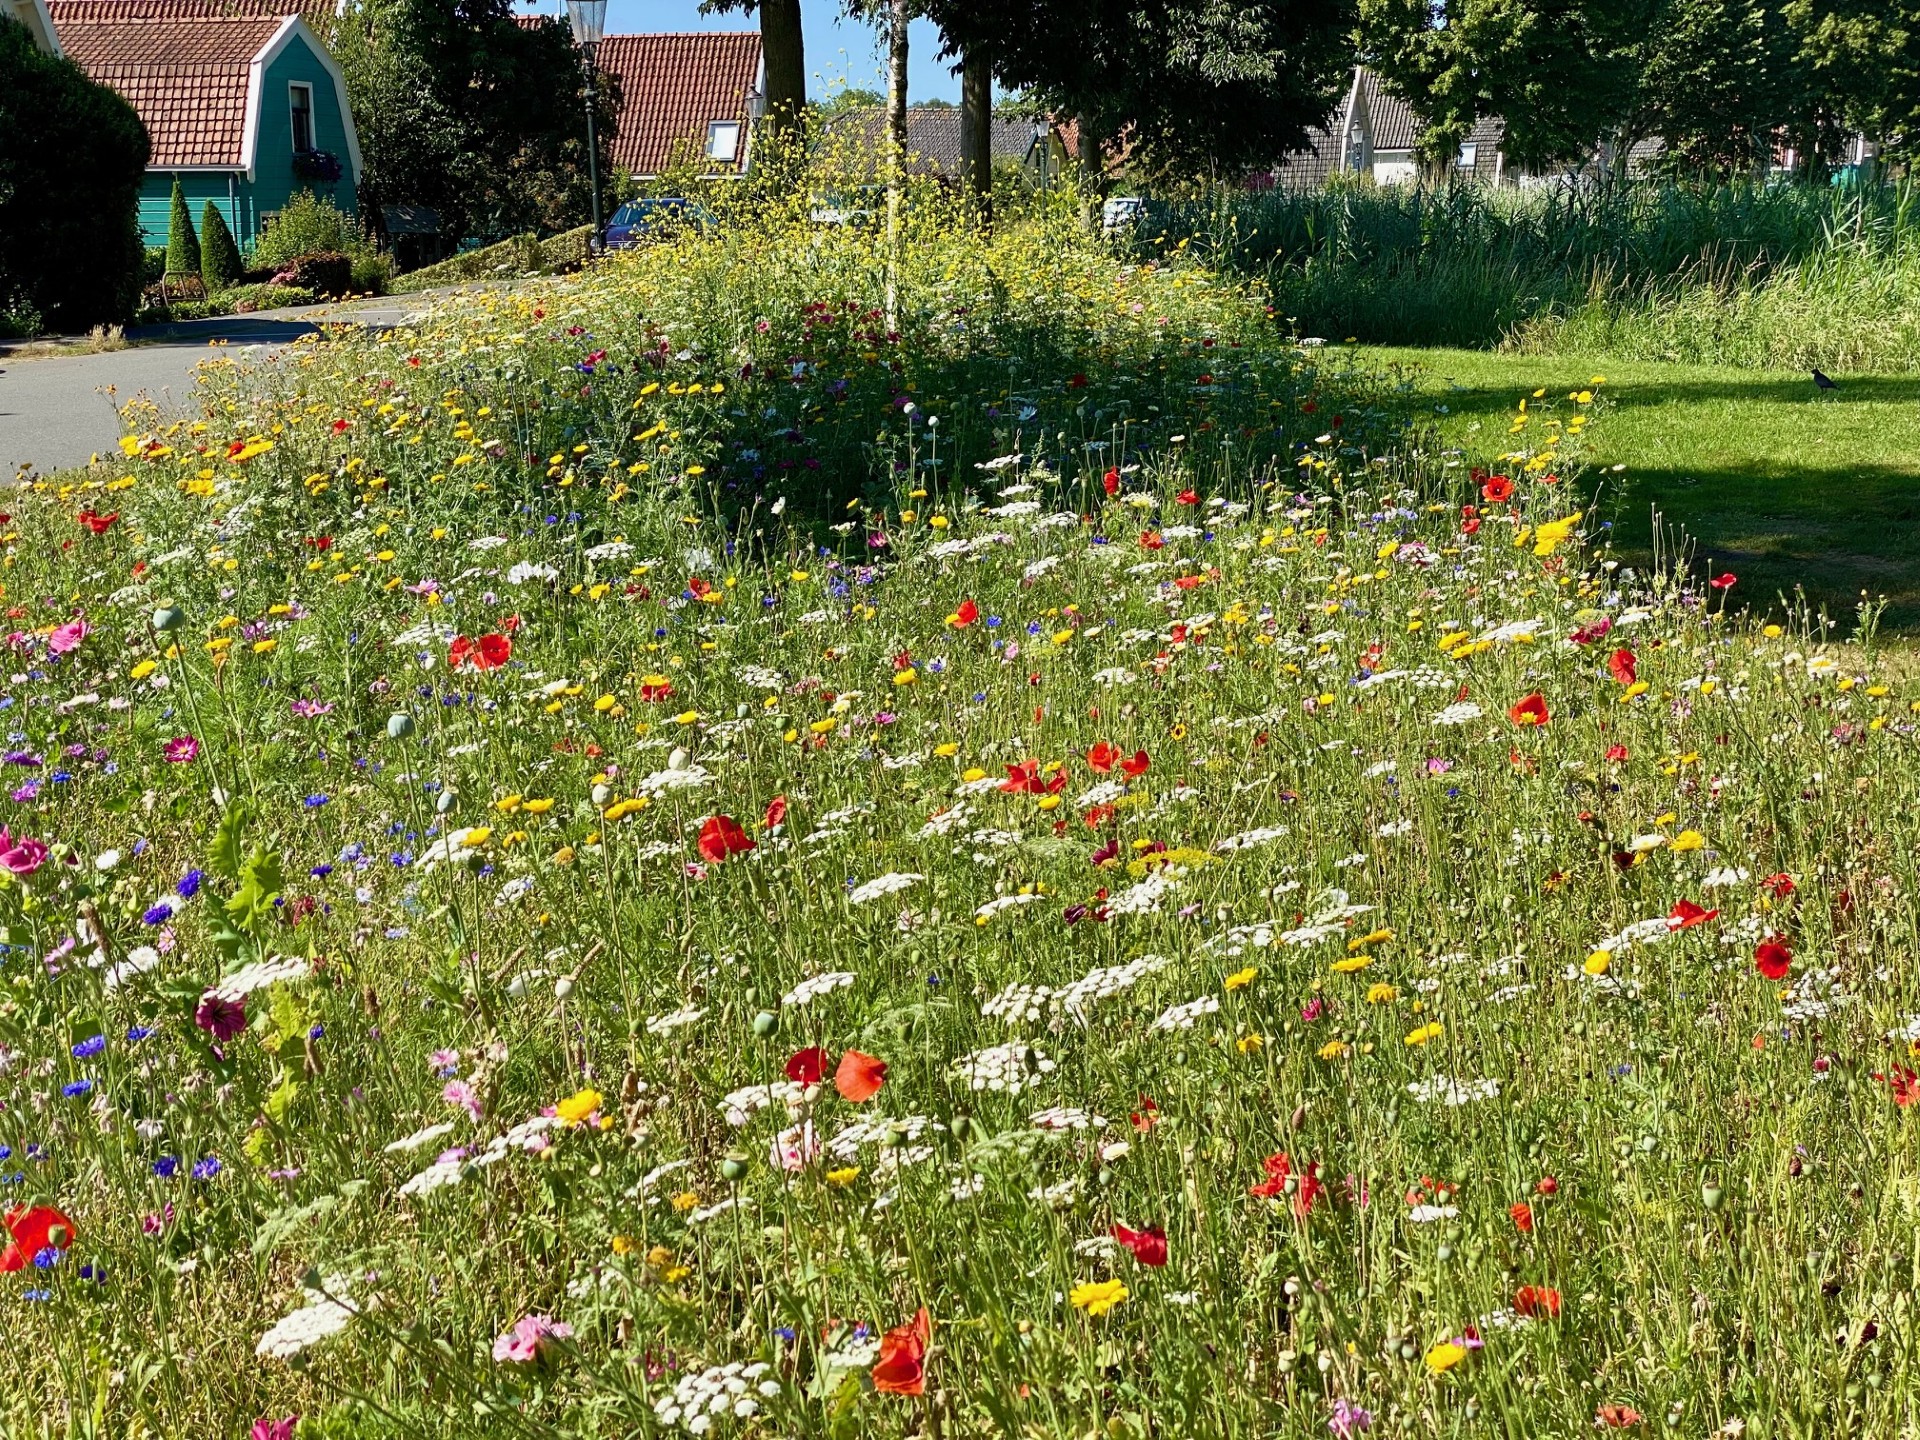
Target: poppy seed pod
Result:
[[444, 802], [399, 725], [733, 1168], [169, 618], [765, 1024]]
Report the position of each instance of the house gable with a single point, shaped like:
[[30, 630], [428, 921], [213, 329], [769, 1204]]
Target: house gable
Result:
[[33, 15], [674, 89]]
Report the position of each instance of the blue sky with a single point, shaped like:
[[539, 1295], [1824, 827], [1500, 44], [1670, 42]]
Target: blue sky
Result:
[[839, 51]]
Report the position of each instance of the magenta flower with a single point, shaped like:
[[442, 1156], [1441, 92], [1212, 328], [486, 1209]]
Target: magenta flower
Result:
[[530, 1340], [182, 750], [1348, 1419], [68, 636], [22, 856], [268, 1429], [220, 1017], [459, 1092]]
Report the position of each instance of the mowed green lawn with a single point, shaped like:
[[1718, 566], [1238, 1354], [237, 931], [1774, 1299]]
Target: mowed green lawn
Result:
[[1765, 475]]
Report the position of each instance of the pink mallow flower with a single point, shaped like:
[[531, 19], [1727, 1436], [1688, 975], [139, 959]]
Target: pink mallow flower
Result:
[[530, 1340], [67, 637], [22, 856]]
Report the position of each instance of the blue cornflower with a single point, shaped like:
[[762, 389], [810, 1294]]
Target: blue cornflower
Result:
[[207, 1168], [189, 885], [75, 1088], [320, 872], [36, 1294], [314, 802], [90, 1047], [166, 1167], [158, 915], [46, 1257], [137, 1033]]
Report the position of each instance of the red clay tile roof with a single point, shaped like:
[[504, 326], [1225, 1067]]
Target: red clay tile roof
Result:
[[186, 78], [933, 138], [317, 13], [673, 86]]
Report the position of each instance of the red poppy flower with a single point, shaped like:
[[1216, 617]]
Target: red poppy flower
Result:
[[1902, 1082], [1110, 482], [966, 614], [1724, 582], [1616, 753], [776, 812], [1685, 915], [1470, 526], [1620, 665], [1147, 1116], [1778, 885], [808, 1066], [1522, 1214], [1616, 1417], [1150, 540], [902, 1366], [859, 1077], [698, 587], [1537, 1302], [31, 1229], [1547, 1185], [721, 838], [653, 692], [1024, 779], [1149, 1246], [1772, 959], [1136, 767], [1498, 489], [1103, 757], [1530, 710], [1188, 497], [1280, 1175], [97, 523]]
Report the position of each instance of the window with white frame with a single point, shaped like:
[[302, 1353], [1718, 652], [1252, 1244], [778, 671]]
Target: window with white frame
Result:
[[300, 106], [723, 140], [1469, 153]]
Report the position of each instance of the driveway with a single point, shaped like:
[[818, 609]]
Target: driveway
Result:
[[59, 411]]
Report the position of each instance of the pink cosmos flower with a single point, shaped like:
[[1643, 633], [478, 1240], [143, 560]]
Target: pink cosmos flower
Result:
[[268, 1429], [530, 1340], [22, 856], [68, 636], [182, 750]]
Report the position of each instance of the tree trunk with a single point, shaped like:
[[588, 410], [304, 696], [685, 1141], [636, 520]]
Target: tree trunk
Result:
[[1092, 171], [784, 52], [976, 129], [897, 15]]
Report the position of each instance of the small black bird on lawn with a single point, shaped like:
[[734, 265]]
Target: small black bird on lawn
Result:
[[1823, 382]]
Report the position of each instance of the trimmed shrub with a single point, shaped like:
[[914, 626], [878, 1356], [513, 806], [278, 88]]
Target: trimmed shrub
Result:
[[72, 158], [245, 299], [308, 225], [219, 256], [183, 246], [325, 272]]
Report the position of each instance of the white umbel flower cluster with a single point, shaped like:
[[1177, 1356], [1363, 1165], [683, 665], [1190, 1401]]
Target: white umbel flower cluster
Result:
[[815, 986], [882, 885], [733, 1390], [326, 1313], [1007, 1069]]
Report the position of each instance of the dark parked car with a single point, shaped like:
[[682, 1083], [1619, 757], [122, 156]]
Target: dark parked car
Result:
[[638, 221]]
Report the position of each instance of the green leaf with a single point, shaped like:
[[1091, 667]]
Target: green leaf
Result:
[[223, 856]]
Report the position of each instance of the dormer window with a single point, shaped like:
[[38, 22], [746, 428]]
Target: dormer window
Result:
[[723, 140]]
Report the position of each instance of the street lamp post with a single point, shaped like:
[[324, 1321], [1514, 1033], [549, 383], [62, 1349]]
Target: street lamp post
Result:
[[588, 20]]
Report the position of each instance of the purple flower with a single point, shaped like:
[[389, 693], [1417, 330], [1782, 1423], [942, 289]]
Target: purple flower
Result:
[[220, 1017], [1348, 1419]]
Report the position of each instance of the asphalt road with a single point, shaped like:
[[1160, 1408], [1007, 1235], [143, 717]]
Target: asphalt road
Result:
[[60, 411]]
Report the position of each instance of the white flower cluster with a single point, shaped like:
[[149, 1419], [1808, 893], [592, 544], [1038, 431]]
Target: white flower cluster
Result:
[[1106, 981], [739, 1106], [1461, 712], [1005, 902], [665, 782], [1445, 1090], [526, 572], [1061, 1118], [1008, 1069], [674, 1020], [904, 1130], [815, 986], [1105, 793], [1145, 897], [327, 1312], [529, 1137], [258, 976], [720, 1391], [1184, 1017], [759, 677], [882, 885], [420, 1137], [1018, 1003], [945, 822]]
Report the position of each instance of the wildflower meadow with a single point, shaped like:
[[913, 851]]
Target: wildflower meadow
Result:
[[670, 852]]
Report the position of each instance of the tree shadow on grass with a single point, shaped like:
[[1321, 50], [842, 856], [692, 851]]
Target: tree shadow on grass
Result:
[[1829, 531]]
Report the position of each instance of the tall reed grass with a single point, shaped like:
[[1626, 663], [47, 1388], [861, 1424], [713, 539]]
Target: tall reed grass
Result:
[[1738, 274]]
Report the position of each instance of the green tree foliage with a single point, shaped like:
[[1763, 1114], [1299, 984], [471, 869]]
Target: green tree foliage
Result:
[[1560, 73], [72, 156], [464, 110], [219, 255], [1192, 87], [1865, 55], [183, 245]]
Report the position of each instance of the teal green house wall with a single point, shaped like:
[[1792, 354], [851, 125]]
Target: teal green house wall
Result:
[[247, 198]]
